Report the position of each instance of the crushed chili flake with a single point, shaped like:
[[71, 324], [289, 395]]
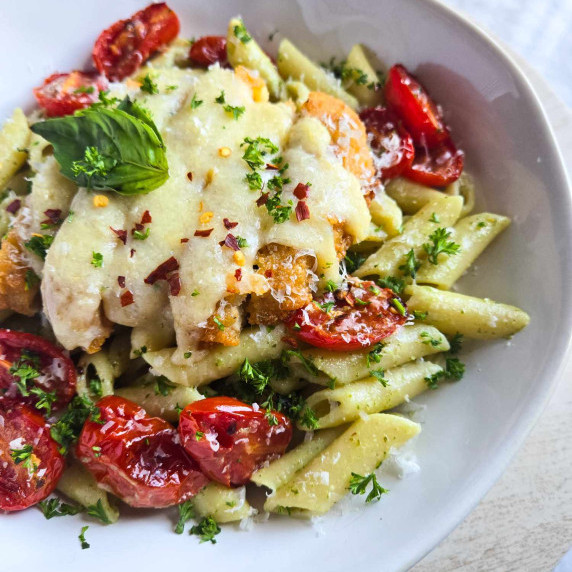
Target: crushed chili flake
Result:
[[55, 215], [228, 225], [302, 211], [301, 191], [262, 200], [230, 241], [174, 282], [290, 341], [120, 233], [183, 240], [146, 218], [204, 233], [238, 274], [160, 273], [14, 206], [138, 226], [272, 167], [190, 176], [121, 281], [126, 298], [268, 273], [132, 253]]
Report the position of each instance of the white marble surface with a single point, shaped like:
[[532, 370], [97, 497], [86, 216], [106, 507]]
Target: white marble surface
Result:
[[524, 523]]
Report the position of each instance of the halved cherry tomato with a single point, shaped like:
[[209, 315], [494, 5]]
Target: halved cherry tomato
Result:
[[230, 440], [138, 457], [29, 366], [208, 50], [30, 462], [349, 319], [390, 142], [436, 167], [409, 100], [65, 93], [122, 48]]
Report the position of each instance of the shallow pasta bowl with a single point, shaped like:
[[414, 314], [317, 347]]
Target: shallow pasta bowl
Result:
[[471, 429]]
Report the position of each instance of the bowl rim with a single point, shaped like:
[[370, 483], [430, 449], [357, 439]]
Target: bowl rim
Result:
[[552, 376]]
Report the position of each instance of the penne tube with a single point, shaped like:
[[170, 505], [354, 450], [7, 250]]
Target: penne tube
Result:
[[96, 375], [335, 407], [222, 503], [14, 140], [453, 313], [411, 196], [386, 213], [473, 234]]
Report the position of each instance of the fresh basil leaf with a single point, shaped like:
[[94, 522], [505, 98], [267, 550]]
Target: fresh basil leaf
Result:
[[113, 149]]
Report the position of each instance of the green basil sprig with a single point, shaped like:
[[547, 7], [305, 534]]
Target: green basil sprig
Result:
[[110, 149]]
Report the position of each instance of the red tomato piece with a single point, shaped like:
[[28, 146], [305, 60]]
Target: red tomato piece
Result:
[[126, 45], [30, 462], [30, 365], [436, 167], [208, 50], [409, 100], [64, 93], [391, 143], [230, 440], [349, 319], [138, 457]]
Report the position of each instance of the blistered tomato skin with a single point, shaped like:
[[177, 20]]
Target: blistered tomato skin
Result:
[[409, 100], [349, 319], [65, 93], [230, 439], [124, 47], [138, 457], [209, 50], [31, 480], [49, 369], [391, 143], [436, 167]]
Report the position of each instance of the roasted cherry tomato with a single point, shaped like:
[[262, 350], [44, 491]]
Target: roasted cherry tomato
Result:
[[436, 167], [349, 319], [35, 371], [390, 142], [230, 440], [30, 462], [208, 50], [124, 47], [409, 100], [64, 93], [138, 457]]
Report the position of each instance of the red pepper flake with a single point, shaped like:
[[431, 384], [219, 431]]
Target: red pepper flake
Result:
[[231, 242], [228, 225], [133, 251], [238, 274], [290, 341], [301, 191], [262, 200], [190, 176], [204, 233], [174, 282], [120, 233], [138, 226], [14, 206], [302, 211], [272, 167], [121, 281], [183, 240], [126, 298], [161, 272], [146, 218], [268, 273], [54, 215]]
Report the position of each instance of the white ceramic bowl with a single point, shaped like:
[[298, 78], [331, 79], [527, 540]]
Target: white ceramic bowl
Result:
[[471, 428]]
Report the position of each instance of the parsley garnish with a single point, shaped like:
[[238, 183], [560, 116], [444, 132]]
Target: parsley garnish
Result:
[[39, 244], [186, 512], [279, 212], [396, 303], [374, 355], [24, 456], [256, 150], [53, 507], [254, 376], [331, 286], [358, 486], [419, 315], [148, 85], [308, 418], [199, 435], [218, 323], [139, 235], [84, 89], [195, 292], [353, 260], [391, 282], [45, 399], [93, 164], [326, 306], [439, 244], [163, 386], [25, 370], [254, 181], [271, 417], [236, 111], [84, 543], [454, 368], [187, 355], [220, 99], [241, 33], [379, 374], [306, 362], [97, 511], [346, 73], [411, 265], [96, 259], [428, 340], [206, 530], [196, 102], [142, 350], [434, 218], [31, 279], [456, 343], [95, 387], [242, 242], [481, 224]]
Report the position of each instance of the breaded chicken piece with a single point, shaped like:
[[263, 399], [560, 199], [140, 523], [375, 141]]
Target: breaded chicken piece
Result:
[[224, 326]]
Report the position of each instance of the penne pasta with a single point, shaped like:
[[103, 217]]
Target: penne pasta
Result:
[[411, 196], [96, 375], [222, 503], [386, 213], [478, 318], [14, 140]]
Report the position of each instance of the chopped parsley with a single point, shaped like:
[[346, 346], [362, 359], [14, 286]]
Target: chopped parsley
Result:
[[379, 374], [242, 242], [240, 32], [25, 369], [196, 102], [481, 224], [331, 286], [411, 265], [97, 511], [359, 484], [39, 244], [271, 417], [348, 75], [326, 306], [456, 343], [279, 212], [206, 529], [186, 512], [396, 303], [218, 323], [96, 259], [308, 418], [45, 399], [374, 355], [454, 368], [84, 543], [393, 283], [440, 245], [84, 89], [254, 375], [353, 260], [31, 280], [95, 386], [93, 164], [220, 99], [256, 150], [434, 218], [148, 85], [254, 181], [428, 340], [419, 315], [139, 235], [235, 111], [199, 435], [53, 507], [163, 386], [195, 292], [187, 355], [26, 456], [142, 350]]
